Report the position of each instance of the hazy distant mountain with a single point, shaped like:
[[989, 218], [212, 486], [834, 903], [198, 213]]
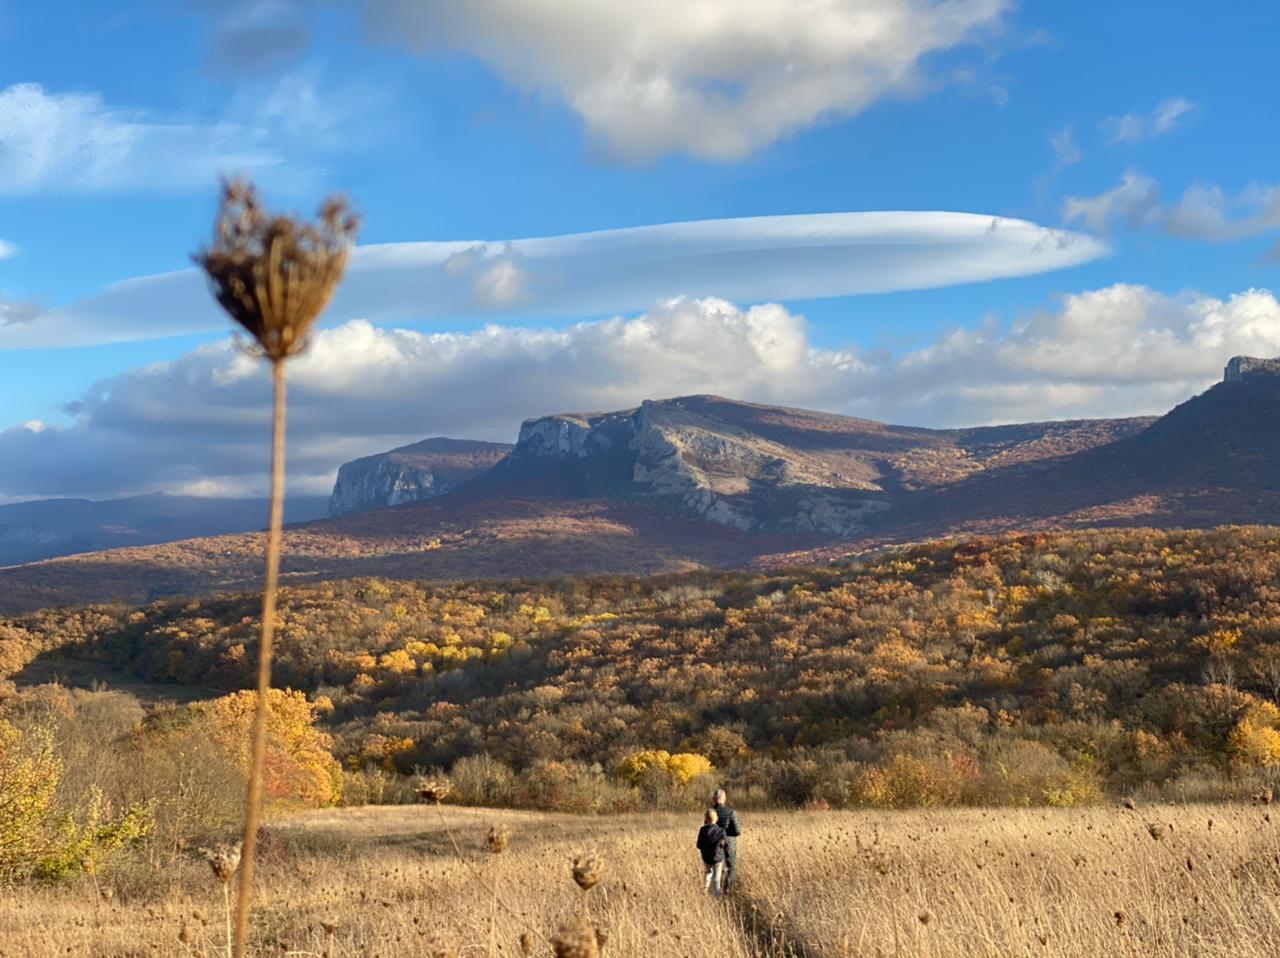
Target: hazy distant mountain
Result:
[[705, 481], [412, 473], [46, 528]]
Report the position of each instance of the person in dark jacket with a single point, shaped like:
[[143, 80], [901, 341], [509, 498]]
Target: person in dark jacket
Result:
[[711, 843], [728, 820]]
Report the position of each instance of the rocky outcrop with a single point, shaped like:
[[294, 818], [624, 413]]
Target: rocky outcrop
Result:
[[412, 473], [680, 454], [1241, 366], [569, 437]]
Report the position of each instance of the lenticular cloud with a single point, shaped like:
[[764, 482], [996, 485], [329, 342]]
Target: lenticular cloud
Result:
[[754, 259]]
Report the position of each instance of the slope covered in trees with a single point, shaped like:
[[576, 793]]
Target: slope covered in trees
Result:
[[1099, 658]]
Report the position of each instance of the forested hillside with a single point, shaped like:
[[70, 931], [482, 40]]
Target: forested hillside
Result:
[[1090, 658]]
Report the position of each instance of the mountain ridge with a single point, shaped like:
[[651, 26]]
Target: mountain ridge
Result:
[[704, 481]]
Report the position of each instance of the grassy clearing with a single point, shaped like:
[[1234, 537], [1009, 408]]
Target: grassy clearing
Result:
[[1155, 881]]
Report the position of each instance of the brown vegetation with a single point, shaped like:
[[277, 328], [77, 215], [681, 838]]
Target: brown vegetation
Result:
[[1015, 670], [1158, 881]]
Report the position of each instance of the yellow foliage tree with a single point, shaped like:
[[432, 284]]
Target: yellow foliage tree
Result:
[[299, 767], [682, 767], [1255, 742]]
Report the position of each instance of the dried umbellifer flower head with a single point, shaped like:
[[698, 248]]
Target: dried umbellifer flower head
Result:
[[434, 790], [587, 872], [576, 939], [526, 944], [275, 274], [499, 838], [223, 860]]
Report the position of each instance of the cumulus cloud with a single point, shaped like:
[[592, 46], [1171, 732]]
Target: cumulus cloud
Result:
[[7, 250], [1203, 212], [200, 422], [715, 78], [591, 274], [1132, 127]]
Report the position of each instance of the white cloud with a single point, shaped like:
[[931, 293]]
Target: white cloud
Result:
[[1133, 127], [1203, 212], [1065, 147], [200, 422], [715, 78], [76, 142], [7, 250], [1135, 202], [1207, 213], [590, 274], [17, 313]]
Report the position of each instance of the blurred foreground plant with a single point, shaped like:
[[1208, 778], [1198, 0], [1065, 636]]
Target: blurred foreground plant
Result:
[[274, 275]]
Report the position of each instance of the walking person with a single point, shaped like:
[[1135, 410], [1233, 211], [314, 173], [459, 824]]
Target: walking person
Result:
[[728, 821], [711, 846]]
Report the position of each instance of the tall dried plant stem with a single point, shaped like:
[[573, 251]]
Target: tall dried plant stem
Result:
[[226, 912], [253, 802], [493, 907]]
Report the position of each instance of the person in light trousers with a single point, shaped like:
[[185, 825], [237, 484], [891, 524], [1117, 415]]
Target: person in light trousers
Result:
[[711, 846]]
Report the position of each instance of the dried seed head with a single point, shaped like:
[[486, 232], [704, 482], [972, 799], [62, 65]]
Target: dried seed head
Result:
[[526, 944], [499, 838], [1121, 919], [925, 917], [274, 275], [330, 928], [587, 872], [1155, 831], [223, 860], [433, 790], [576, 939]]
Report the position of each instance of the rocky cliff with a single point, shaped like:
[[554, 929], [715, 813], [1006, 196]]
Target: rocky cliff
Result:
[[411, 473], [1241, 366], [765, 468]]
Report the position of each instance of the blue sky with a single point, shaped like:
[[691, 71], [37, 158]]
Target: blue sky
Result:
[[1141, 124]]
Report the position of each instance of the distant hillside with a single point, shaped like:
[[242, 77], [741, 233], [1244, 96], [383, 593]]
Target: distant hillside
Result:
[[1064, 661], [704, 481], [411, 473], [47, 528]]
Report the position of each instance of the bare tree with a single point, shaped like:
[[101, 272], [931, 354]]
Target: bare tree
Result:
[[274, 275]]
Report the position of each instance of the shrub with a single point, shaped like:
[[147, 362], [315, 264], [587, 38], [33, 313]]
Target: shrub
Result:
[[299, 767], [907, 782], [29, 775]]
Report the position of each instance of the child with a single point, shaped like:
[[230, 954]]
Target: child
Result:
[[711, 842]]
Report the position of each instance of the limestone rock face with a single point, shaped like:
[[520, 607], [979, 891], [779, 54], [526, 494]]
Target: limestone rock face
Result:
[[1241, 366], [412, 473], [689, 456]]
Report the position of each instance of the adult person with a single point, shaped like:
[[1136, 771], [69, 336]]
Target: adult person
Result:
[[727, 819]]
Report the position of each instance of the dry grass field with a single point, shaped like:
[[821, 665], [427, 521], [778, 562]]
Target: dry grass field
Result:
[[391, 881]]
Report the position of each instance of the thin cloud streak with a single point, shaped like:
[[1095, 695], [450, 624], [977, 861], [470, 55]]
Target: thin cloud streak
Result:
[[591, 274]]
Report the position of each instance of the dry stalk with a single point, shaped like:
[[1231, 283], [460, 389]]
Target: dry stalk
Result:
[[273, 275]]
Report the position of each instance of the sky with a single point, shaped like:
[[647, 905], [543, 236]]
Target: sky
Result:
[[930, 212]]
